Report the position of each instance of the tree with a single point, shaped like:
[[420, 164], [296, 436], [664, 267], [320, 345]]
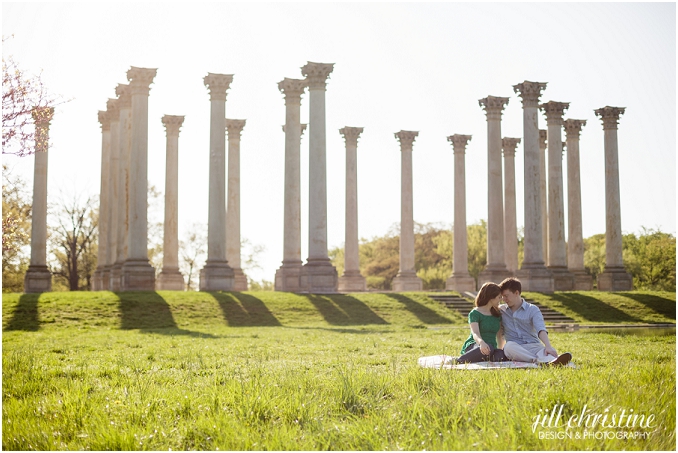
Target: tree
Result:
[[477, 248], [651, 258], [21, 94], [16, 229], [155, 224], [73, 242], [192, 254]]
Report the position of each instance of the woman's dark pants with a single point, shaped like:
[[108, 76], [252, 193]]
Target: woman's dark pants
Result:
[[473, 354]]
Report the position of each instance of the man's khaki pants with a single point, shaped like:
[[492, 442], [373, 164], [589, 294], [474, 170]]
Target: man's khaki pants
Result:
[[530, 352]]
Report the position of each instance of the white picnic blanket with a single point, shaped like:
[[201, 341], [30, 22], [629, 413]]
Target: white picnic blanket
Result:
[[446, 362]]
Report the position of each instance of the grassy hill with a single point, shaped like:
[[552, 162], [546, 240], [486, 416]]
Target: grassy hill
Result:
[[203, 311]]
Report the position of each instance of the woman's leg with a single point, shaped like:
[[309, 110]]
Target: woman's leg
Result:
[[498, 356], [473, 355]]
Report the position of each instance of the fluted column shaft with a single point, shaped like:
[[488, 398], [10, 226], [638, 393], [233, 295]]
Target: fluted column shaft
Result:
[[351, 250], [496, 265], [293, 89], [544, 194], [170, 259], [112, 107], [98, 282], [234, 128], [317, 247], [554, 119], [124, 151], [575, 240], [38, 278], [510, 225]]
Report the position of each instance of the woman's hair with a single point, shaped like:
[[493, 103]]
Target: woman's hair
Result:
[[488, 292]]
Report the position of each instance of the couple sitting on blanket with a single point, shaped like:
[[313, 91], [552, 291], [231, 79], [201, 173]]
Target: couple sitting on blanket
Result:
[[516, 326]]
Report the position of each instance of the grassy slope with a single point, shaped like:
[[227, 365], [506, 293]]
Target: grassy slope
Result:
[[278, 371]]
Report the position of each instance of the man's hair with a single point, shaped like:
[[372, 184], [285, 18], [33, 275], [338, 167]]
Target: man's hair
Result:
[[512, 284]]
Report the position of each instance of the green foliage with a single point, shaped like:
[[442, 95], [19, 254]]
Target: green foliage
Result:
[[594, 255], [208, 371], [651, 259], [16, 228], [477, 248]]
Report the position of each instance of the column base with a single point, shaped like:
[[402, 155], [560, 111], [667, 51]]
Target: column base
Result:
[[536, 278], [583, 281], [460, 283], [239, 280], [493, 274], [216, 276], [615, 279], [137, 275], [38, 279], [115, 277], [319, 277], [407, 281], [106, 278], [96, 280], [352, 281], [288, 277], [170, 279], [563, 280]]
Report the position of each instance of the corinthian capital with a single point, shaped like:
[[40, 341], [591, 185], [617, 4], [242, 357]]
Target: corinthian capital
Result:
[[610, 116], [113, 109], [530, 92], [104, 118], [573, 127], [217, 84], [42, 115], [140, 79], [316, 74], [554, 111], [351, 134], [292, 88], [172, 124], [493, 106], [406, 138], [509, 145], [124, 93], [234, 127], [459, 142]]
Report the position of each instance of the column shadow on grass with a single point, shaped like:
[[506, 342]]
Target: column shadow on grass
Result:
[[658, 304], [148, 312], [592, 309], [341, 310], [425, 314], [25, 316], [244, 310]]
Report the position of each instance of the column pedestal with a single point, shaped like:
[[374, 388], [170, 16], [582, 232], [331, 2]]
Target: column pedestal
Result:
[[461, 283], [170, 279], [615, 279], [407, 281], [319, 277], [218, 276], [352, 281], [583, 281], [287, 277], [38, 279]]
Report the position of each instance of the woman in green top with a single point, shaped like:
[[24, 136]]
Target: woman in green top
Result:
[[485, 323]]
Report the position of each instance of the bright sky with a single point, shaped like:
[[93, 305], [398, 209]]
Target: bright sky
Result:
[[408, 66]]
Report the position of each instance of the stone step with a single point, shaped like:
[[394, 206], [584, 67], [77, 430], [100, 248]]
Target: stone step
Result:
[[464, 307]]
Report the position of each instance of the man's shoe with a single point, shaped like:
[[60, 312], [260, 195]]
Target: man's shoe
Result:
[[561, 360]]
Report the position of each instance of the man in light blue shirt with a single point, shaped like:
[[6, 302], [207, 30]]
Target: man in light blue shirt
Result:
[[524, 329]]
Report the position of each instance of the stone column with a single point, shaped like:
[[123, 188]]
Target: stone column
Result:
[[575, 241], [544, 194], [123, 169], [533, 274], [234, 128], [217, 274], [563, 280], [113, 107], [287, 277], [460, 280], [614, 277], [100, 277], [510, 225], [137, 272], [170, 278], [351, 280], [496, 270], [406, 279], [38, 278], [318, 275]]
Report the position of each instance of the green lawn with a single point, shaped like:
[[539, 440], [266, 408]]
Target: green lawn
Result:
[[276, 371]]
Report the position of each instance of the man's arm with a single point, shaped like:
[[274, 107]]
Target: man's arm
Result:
[[542, 333], [548, 349]]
